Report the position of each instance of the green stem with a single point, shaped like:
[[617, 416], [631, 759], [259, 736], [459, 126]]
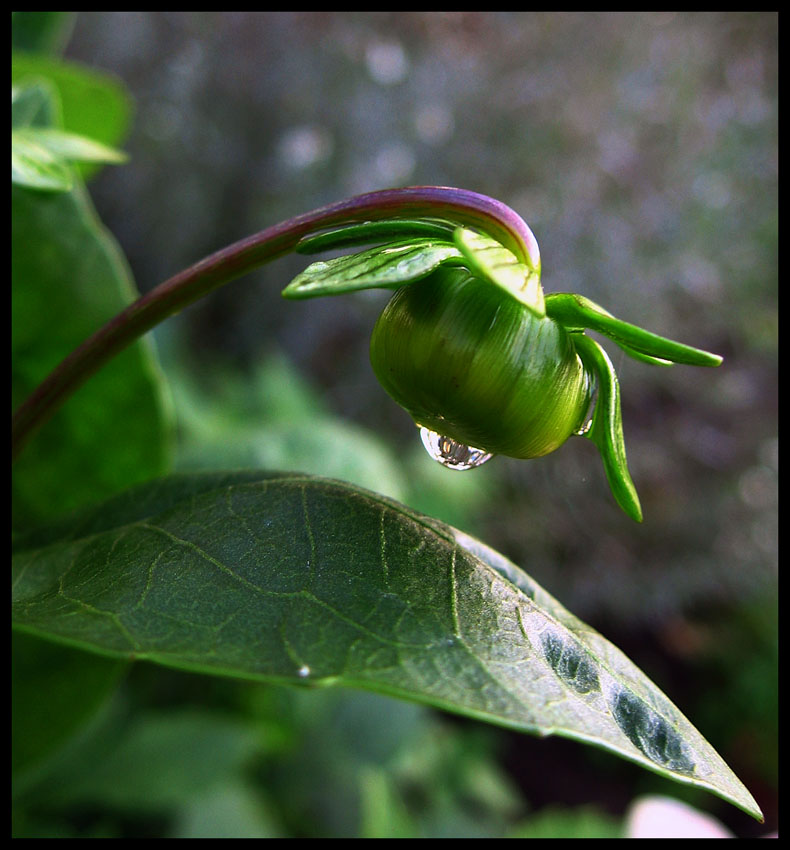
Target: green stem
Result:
[[172, 296]]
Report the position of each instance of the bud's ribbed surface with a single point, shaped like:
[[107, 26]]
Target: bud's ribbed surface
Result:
[[468, 361]]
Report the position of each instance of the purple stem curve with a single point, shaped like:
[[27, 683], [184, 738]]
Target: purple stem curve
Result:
[[173, 295]]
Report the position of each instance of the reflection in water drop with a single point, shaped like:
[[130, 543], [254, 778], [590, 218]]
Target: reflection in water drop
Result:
[[303, 672], [451, 454], [584, 429]]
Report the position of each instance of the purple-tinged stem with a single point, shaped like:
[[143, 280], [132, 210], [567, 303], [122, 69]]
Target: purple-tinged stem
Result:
[[457, 205]]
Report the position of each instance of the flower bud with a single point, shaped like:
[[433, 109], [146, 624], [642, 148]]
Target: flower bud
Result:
[[470, 362]]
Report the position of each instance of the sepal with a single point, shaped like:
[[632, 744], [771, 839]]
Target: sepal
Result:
[[577, 313], [606, 430], [490, 260], [373, 232], [387, 266]]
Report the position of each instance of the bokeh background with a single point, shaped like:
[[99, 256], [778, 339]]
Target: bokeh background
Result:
[[641, 148]]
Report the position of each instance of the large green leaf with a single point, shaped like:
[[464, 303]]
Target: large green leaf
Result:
[[297, 579]]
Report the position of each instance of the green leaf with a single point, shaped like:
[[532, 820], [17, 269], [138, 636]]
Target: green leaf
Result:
[[35, 166], [94, 104], [312, 581], [575, 313], [70, 146], [385, 267], [606, 430], [39, 156], [489, 259], [272, 419]]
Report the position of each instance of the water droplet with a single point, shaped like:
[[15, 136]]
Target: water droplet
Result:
[[303, 672], [584, 429], [451, 454]]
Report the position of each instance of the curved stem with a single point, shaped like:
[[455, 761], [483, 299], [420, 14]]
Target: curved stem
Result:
[[172, 296]]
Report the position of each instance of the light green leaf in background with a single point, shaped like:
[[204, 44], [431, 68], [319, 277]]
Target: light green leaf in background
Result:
[[272, 417], [297, 579], [91, 103], [70, 146], [40, 156], [36, 166]]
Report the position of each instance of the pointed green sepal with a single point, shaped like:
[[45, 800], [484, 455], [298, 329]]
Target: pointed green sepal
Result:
[[383, 267], [606, 430], [490, 260], [577, 313], [371, 232], [642, 357]]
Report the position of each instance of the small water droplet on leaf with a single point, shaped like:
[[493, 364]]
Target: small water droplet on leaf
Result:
[[450, 453], [303, 672]]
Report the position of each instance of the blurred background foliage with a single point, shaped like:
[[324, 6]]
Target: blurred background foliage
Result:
[[642, 150]]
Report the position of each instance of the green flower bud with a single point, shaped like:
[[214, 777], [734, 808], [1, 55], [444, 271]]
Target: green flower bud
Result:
[[471, 363], [470, 346]]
